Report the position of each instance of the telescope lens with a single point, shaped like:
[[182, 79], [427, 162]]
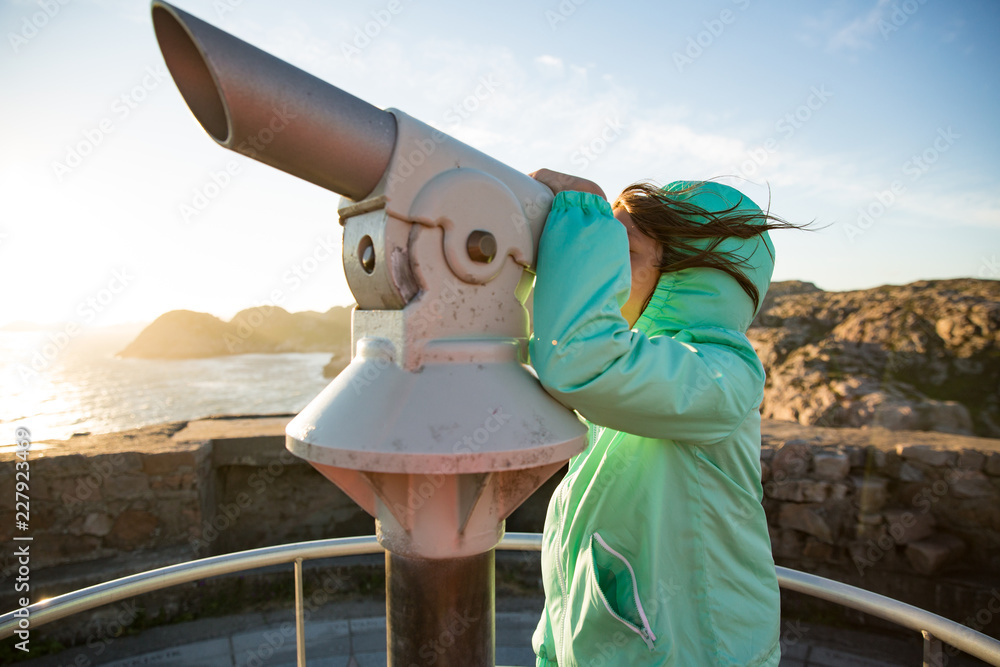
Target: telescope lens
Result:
[[191, 74]]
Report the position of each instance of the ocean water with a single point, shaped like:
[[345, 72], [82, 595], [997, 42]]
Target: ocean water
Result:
[[56, 385]]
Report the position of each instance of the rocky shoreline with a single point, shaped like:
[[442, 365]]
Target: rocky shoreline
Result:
[[923, 356]]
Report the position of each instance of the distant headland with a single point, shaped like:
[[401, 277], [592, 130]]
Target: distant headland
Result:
[[185, 334], [923, 356]]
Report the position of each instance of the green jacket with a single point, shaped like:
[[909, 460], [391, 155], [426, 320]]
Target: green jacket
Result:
[[655, 548]]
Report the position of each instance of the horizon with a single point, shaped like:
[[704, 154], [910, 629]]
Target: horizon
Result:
[[30, 325], [873, 118]]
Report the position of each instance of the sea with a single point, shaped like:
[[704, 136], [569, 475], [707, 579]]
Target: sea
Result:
[[61, 382]]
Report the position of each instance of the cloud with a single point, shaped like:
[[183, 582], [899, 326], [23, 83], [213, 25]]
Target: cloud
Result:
[[859, 33], [549, 65]]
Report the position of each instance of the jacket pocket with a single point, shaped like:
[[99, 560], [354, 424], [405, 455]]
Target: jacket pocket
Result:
[[616, 585]]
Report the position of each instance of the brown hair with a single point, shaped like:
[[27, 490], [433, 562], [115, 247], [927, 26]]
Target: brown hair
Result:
[[665, 217]]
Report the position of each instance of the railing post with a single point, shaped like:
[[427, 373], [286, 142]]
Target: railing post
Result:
[[300, 621], [933, 654]]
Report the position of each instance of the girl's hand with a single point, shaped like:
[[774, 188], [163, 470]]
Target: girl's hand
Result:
[[559, 182]]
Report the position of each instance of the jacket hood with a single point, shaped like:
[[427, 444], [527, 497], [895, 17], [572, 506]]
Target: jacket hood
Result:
[[704, 297]]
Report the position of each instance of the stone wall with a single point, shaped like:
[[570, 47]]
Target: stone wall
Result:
[[918, 508], [908, 514]]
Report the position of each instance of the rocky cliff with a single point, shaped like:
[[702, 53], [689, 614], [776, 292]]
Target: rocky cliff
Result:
[[923, 356], [183, 334]]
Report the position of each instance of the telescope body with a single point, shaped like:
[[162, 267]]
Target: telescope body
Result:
[[436, 428]]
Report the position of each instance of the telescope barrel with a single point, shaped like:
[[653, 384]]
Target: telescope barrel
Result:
[[260, 106]]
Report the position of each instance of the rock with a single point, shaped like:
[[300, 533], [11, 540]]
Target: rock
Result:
[[97, 524], [877, 457], [906, 357], [928, 455], [126, 486], [799, 490], [873, 533], [870, 519], [970, 459], [132, 529], [930, 555], [910, 473], [816, 550], [791, 460], [831, 465], [839, 491], [969, 484], [788, 543], [856, 456], [907, 526], [992, 466], [873, 492], [811, 519]]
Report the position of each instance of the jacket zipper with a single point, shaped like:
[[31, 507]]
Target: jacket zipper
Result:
[[563, 588], [645, 631], [562, 583]]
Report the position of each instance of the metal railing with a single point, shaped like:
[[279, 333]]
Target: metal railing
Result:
[[935, 629]]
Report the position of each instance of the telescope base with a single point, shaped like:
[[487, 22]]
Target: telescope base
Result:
[[440, 612]]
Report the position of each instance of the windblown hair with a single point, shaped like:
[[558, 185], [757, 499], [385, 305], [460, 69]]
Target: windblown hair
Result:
[[674, 223]]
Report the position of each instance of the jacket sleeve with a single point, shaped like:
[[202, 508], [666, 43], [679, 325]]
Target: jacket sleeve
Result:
[[696, 386]]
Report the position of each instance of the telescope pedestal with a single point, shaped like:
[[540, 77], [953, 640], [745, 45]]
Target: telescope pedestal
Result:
[[440, 611]]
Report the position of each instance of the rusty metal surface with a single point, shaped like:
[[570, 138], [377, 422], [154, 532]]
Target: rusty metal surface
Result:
[[260, 106], [440, 612]]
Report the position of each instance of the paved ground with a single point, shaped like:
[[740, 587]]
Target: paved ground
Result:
[[353, 635]]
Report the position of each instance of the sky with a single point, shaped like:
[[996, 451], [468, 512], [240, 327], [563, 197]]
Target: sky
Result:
[[874, 119]]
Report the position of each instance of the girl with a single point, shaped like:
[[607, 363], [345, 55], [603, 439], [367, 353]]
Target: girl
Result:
[[655, 548]]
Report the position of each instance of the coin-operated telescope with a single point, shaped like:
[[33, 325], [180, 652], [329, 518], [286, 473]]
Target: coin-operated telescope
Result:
[[436, 428]]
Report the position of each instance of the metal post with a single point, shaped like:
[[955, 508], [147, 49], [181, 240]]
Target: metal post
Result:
[[300, 621], [933, 654], [440, 611]]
